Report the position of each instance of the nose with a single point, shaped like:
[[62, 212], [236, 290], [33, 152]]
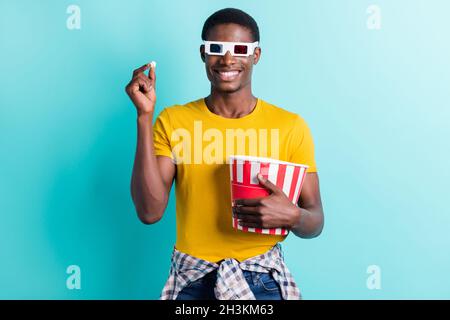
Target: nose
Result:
[[227, 58]]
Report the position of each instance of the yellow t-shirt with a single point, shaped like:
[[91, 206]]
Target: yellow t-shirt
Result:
[[199, 142]]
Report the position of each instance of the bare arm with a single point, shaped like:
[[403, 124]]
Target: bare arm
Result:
[[311, 220], [152, 176]]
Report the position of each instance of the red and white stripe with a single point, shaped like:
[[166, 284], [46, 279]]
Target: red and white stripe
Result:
[[288, 177]]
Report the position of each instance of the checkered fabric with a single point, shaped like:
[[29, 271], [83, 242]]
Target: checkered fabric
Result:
[[230, 283]]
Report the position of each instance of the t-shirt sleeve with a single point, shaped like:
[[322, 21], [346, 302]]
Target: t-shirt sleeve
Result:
[[302, 145], [161, 135]]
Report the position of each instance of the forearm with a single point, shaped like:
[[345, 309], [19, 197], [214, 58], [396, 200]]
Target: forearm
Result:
[[147, 187], [308, 223]]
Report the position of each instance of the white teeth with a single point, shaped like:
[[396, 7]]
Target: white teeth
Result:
[[229, 74]]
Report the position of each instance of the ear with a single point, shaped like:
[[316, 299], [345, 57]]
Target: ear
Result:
[[256, 55], [202, 52]]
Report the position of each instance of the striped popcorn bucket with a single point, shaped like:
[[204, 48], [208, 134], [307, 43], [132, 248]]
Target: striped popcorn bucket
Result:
[[245, 184]]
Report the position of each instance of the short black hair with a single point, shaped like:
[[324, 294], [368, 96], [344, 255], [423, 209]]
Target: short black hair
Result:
[[231, 15]]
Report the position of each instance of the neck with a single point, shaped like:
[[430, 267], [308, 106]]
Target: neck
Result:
[[231, 105]]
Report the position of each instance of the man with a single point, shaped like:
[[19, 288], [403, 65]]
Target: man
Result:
[[211, 259]]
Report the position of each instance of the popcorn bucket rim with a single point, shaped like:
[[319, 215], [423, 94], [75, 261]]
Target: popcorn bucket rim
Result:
[[264, 159]]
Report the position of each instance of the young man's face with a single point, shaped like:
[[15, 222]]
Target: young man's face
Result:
[[229, 32]]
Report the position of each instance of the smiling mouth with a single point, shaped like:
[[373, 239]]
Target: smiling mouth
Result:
[[228, 75]]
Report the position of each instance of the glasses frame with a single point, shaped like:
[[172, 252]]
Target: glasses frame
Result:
[[229, 46]]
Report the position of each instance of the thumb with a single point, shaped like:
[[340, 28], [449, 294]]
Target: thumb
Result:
[[151, 73], [268, 184]]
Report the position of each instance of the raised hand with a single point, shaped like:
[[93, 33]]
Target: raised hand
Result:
[[141, 89]]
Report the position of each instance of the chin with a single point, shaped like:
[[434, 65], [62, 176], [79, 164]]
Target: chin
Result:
[[228, 87]]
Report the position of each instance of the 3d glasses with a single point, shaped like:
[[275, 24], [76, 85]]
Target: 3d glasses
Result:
[[239, 49]]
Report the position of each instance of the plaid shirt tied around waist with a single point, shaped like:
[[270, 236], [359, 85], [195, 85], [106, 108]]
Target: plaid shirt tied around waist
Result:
[[230, 283]]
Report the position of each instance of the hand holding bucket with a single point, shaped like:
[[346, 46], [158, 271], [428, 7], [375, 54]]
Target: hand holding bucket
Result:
[[288, 177]]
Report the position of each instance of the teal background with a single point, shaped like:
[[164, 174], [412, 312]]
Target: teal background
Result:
[[377, 102]]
